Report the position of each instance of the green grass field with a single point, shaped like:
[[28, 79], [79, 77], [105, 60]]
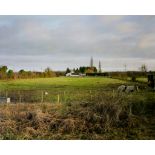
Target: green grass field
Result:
[[58, 83], [144, 80], [60, 89]]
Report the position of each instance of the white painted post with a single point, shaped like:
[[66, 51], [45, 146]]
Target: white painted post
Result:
[[7, 100]]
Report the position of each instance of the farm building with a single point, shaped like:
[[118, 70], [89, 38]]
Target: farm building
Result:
[[72, 74]]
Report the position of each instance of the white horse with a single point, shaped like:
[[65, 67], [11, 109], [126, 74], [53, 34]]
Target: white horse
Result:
[[127, 89], [121, 88], [131, 89]]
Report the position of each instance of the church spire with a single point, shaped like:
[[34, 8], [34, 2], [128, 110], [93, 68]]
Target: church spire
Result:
[[99, 67], [91, 62]]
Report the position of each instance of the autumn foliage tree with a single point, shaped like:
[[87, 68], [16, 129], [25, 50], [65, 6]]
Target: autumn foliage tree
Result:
[[49, 73], [3, 72], [10, 74], [6, 73]]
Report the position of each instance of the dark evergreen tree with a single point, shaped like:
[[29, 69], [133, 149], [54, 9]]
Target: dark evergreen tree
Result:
[[68, 70]]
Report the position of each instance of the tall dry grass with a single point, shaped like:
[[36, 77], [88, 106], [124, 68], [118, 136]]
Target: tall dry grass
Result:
[[107, 115]]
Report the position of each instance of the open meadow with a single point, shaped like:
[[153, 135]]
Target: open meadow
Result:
[[58, 88], [76, 108], [58, 83]]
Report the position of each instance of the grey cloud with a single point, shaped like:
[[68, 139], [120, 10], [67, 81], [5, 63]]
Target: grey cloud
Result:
[[61, 41]]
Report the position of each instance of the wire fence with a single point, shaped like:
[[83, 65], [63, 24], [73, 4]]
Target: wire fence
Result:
[[42, 96]]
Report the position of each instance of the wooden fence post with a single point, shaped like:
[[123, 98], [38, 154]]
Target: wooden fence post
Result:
[[113, 93], [58, 98], [130, 109], [42, 96], [6, 94], [64, 97], [90, 95], [20, 98]]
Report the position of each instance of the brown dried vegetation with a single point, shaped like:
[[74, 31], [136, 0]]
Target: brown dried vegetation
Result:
[[105, 117]]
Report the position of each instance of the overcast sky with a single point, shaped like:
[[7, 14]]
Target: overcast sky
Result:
[[58, 42]]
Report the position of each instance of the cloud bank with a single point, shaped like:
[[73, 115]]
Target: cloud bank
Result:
[[35, 42]]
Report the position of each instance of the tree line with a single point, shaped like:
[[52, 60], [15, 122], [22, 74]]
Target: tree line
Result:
[[82, 70], [6, 73], [92, 69]]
